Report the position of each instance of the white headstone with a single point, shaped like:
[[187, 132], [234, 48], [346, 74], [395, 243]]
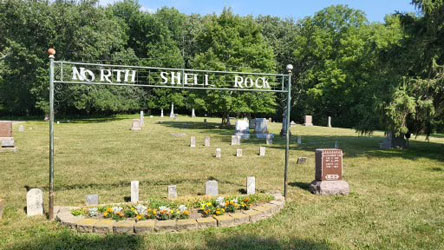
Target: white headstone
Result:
[[135, 191], [193, 114], [172, 111], [136, 125], [299, 140], [211, 188], [172, 192], [142, 119], [243, 129], [207, 141], [21, 128], [161, 112], [34, 202], [262, 151], [261, 128], [218, 153], [329, 121], [92, 200], [269, 139], [7, 142], [251, 185], [239, 152], [235, 140], [193, 142], [308, 120]]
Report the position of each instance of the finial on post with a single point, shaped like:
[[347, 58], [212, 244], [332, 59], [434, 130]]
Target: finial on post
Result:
[[51, 52], [289, 68]]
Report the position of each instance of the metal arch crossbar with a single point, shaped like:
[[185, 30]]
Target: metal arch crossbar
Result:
[[147, 74]]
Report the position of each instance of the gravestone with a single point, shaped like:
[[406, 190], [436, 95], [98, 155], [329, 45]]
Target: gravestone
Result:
[[308, 120], [136, 125], [269, 139], [142, 118], [193, 114], [207, 141], [172, 192], [92, 200], [329, 122], [270, 120], [172, 115], [336, 144], [161, 112], [251, 185], [211, 188], [21, 128], [262, 151], [5, 129], [239, 152], [34, 202], [243, 129], [392, 141], [252, 124], [2, 207], [328, 174], [302, 160], [261, 128], [134, 191], [193, 142], [7, 142], [218, 153], [235, 140], [293, 124], [299, 140]]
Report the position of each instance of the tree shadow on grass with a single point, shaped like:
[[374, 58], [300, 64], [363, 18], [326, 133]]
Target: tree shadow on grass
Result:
[[248, 241], [302, 185], [65, 239]]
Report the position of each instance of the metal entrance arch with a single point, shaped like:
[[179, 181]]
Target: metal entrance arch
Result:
[[156, 77]]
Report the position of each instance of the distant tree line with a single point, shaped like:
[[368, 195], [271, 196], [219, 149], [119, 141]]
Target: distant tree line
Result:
[[365, 75]]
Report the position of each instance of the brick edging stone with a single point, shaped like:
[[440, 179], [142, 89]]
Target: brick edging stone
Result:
[[106, 226]]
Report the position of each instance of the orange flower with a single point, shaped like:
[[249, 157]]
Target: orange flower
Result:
[[186, 212]]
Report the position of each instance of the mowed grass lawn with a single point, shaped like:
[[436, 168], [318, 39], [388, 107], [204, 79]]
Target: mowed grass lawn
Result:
[[396, 200]]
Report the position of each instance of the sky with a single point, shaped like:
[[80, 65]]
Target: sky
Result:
[[297, 9]]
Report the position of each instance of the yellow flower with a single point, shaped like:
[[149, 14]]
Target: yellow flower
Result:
[[154, 212], [186, 212], [105, 214], [209, 204], [110, 210], [139, 217], [218, 212]]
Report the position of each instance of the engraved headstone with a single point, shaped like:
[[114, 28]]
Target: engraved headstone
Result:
[[207, 141], [193, 142], [235, 140], [193, 114], [92, 200], [239, 152], [211, 188], [5, 129], [261, 128], [251, 185], [308, 120], [218, 153], [329, 121], [134, 191], [328, 174], [252, 124], [34, 202], [21, 128], [172, 192], [142, 118], [136, 125], [269, 139], [243, 129], [262, 151]]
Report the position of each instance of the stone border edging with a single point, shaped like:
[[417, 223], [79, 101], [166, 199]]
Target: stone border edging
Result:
[[106, 226]]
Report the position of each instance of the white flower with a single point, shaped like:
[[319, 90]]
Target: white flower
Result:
[[93, 212], [164, 208], [220, 202], [235, 200], [117, 209], [141, 209], [182, 208]]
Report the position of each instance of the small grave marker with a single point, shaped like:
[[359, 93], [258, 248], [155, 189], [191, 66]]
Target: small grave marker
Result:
[[92, 200], [193, 142], [134, 191], [251, 185], [207, 141], [142, 117], [136, 125], [262, 151], [329, 121], [299, 140], [269, 139], [239, 152], [172, 192], [34, 202], [211, 188], [193, 114], [235, 140], [218, 153], [21, 128], [308, 120], [161, 112]]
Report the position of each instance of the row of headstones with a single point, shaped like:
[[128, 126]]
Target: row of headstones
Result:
[[235, 140]]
